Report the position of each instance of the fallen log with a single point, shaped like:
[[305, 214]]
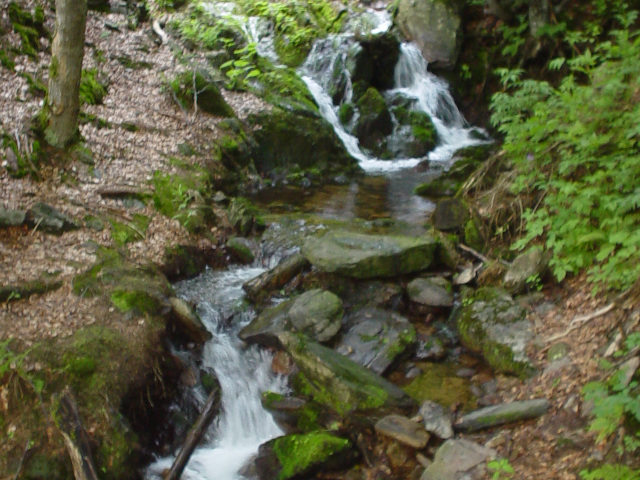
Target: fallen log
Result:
[[194, 436], [75, 437]]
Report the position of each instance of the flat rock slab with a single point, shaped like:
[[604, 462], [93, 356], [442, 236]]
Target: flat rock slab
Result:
[[455, 459], [264, 329], [377, 338], [358, 255], [430, 292], [436, 419], [340, 383], [403, 430], [501, 414]]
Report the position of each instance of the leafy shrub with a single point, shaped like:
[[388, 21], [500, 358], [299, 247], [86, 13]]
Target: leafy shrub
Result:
[[576, 150]]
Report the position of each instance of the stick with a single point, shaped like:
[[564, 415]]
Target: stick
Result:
[[27, 452], [75, 437], [480, 256], [581, 320], [164, 38], [194, 436]]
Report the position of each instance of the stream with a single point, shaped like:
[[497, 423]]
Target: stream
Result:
[[385, 192]]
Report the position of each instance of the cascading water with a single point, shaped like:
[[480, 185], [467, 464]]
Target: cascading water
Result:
[[243, 373]]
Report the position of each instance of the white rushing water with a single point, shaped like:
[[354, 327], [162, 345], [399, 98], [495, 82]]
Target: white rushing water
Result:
[[244, 373]]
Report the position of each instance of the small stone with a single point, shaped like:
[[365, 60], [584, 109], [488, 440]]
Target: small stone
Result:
[[318, 313], [242, 249], [436, 419], [557, 351], [282, 363], [430, 292], [455, 458], [12, 218], [47, 219], [527, 269], [450, 215], [403, 430]]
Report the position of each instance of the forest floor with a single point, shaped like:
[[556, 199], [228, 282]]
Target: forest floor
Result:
[[556, 446]]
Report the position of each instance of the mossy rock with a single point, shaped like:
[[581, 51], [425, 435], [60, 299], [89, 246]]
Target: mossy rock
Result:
[[376, 61], [22, 291], [300, 455], [208, 98], [129, 287], [493, 325], [439, 383], [375, 120], [287, 141], [338, 383], [345, 113]]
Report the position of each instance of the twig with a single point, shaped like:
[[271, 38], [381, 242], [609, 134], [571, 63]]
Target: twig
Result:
[[480, 256], [27, 449], [581, 320], [157, 29]]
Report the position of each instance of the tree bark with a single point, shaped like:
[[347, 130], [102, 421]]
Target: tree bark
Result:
[[538, 15], [65, 71]]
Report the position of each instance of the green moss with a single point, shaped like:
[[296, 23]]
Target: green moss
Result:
[[54, 67], [80, 366], [439, 383], [24, 290], [406, 339], [473, 236], [297, 454], [92, 91], [137, 301], [269, 398], [123, 233], [6, 61], [371, 103], [345, 113]]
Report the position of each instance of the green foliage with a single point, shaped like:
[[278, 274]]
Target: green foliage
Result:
[[6, 61], [242, 67], [92, 91], [575, 148], [501, 468], [616, 404], [297, 24]]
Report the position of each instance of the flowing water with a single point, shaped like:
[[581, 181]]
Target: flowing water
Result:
[[244, 373]]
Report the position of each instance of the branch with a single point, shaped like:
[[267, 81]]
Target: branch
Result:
[[480, 256], [581, 320], [157, 29]]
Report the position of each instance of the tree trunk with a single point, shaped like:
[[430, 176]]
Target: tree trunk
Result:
[[538, 15], [67, 51]]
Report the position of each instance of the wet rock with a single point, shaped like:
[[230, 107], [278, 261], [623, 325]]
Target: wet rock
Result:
[[188, 321], [374, 294], [436, 419], [317, 313], [338, 382], [457, 458], [242, 249], [527, 269], [362, 256], [49, 220], [450, 215], [12, 218], [282, 363], [430, 348], [403, 430], [500, 414], [430, 292], [375, 62], [492, 324], [275, 278], [298, 456], [436, 28], [375, 121], [376, 338], [264, 329], [285, 410]]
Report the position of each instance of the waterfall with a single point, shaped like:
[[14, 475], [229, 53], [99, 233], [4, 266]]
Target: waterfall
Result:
[[244, 373]]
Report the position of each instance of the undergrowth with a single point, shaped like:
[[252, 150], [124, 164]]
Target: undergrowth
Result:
[[575, 148]]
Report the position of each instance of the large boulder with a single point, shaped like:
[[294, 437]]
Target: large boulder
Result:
[[492, 324], [376, 60], [435, 26], [377, 338], [286, 140], [298, 456], [317, 313], [358, 255], [338, 382], [431, 292], [450, 215]]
